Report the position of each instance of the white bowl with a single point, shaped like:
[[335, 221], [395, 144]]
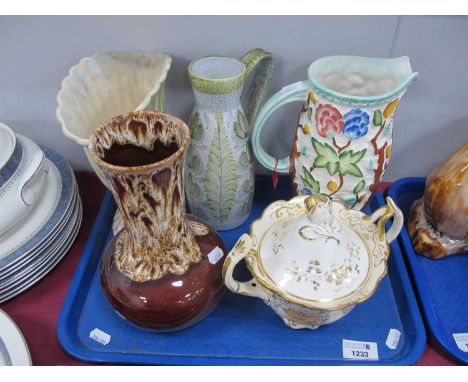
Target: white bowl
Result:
[[312, 260], [106, 85]]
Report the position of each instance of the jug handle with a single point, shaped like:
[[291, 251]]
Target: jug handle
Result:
[[385, 213], [240, 251], [296, 92], [261, 83]]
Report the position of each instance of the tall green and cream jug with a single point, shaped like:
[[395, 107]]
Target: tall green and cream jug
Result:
[[219, 173]]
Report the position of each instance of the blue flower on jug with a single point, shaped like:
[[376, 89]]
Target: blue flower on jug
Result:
[[305, 191], [305, 150], [356, 123]]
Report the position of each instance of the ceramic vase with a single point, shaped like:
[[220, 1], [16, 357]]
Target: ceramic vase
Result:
[[106, 85], [163, 270], [219, 169], [343, 138], [438, 222]]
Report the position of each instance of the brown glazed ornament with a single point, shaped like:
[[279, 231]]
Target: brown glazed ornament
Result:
[[438, 222], [163, 270]]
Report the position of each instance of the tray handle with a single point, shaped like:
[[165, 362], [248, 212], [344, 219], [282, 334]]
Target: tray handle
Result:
[[241, 250]]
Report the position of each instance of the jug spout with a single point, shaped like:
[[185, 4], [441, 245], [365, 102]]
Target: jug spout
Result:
[[361, 80], [401, 68]]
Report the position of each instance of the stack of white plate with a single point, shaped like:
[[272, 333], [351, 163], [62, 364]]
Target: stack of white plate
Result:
[[35, 244]]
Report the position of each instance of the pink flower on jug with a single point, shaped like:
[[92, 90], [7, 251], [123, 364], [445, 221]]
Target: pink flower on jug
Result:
[[328, 120]]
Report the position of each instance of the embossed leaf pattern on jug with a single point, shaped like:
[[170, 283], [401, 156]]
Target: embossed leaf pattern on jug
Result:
[[343, 163], [217, 160], [241, 127], [192, 187], [220, 178], [196, 127], [193, 159], [245, 157], [248, 184], [309, 181], [247, 204]]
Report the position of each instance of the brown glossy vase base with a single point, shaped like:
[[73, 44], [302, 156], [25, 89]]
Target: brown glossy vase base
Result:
[[173, 302], [426, 240]]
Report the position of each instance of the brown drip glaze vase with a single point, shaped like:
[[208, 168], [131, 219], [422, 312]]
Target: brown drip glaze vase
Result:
[[163, 270]]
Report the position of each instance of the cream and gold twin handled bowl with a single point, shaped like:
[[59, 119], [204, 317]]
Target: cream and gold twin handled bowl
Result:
[[313, 259]]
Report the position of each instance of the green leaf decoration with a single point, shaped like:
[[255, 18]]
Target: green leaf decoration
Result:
[[310, 181], [359, 187], [333, 167], [220, 178], [241, 127], [309, 112], [321, 162], [352, 157], [245, 157], [377, 121], [193, 161], [324, 150], [327, 157], [344, 163], [348, 160], [196, 128], [351, 169], [247, 186], [247, 205], [192, 188], [246, 123]]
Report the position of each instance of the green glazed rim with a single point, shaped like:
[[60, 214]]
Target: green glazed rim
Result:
[[217, 85], [402, 70]]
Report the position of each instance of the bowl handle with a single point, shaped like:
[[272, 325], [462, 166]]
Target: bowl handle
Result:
[[385, 213], [249, 288]]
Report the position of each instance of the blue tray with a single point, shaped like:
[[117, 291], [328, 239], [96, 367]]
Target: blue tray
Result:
[[442, 285], [240, 330]]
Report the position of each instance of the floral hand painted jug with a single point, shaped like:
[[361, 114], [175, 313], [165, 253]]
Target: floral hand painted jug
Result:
[[219, 173], [343, 139]]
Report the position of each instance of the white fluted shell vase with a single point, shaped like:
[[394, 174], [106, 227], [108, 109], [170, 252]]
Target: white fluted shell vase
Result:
[[105, 85]]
